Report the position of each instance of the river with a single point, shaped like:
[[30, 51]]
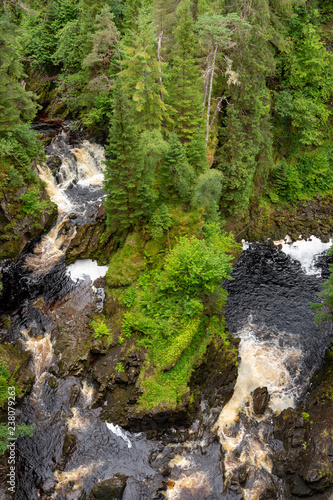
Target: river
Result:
[[227, 452]]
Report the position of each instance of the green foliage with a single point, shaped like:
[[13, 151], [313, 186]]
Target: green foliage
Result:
[[324, 310], [308, 74], [184, 83], [160, 222], [207, 193], [128, 183], [142, 74], [120, 368], [21, 430], [4, 377], [195, 267], [176, 175], [170, 303], [100, 329], [305, 415], [16, 104], [129, 297], [31, 202]]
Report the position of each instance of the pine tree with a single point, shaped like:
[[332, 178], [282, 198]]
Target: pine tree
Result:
[[176, 175], [129, 192], [185, 84], [16, 104], [142, 74], [197, 153], [105, 50], [245, 155]]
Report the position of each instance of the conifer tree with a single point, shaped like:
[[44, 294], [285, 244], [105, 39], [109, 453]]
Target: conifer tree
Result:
[[196, 152], [185, 85], [16, 104], [142, 74], [176, 175], [128, 187]]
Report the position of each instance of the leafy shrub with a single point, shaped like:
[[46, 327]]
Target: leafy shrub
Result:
[[194, 267], [31, 202], [129, 297], [100, 329], [4, 377], [21, 430]]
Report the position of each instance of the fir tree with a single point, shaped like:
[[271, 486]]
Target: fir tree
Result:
[[176, 175], [185, 85], [196, 152], [16, 104], [142, 74], [129, 193]]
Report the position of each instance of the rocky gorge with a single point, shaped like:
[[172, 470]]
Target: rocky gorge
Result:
[[86, 379]]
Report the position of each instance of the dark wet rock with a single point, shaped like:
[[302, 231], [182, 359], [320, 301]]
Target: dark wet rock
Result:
[[306, 460], [121, 378], [67, 449], [111, 489], [132, 374], [260, 399], [16, 228], [87, 243], [74, 395], [52, 381], [54, 162], [48, 487]]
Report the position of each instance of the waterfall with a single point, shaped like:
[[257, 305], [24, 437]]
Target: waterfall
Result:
[[83, 167], [267, 309]]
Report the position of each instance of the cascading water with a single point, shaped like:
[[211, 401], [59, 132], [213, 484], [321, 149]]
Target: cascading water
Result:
[[268, 309]]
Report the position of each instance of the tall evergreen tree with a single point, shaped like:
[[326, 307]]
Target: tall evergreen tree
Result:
[[128, 187], [16, 104], [142, 74], [185, 84], [176, 176], [245, 155]]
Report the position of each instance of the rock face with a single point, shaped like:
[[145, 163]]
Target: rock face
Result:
[[306, 460], [260, 399], [17, 228], [111, 489], [310, 217], [88, 241]]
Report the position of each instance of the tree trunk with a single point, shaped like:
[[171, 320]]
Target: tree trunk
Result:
[[4, 4], [210, 94], [207, 80], [159, 45]]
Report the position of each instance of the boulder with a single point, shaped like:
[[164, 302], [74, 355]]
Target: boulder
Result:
[[260, 399], [111, 489]]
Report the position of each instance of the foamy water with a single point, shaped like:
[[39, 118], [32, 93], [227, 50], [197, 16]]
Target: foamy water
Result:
[[118, 431], [84, 166], [305, 252], [86, 267]]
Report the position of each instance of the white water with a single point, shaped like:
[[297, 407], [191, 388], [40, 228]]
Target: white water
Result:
[[118, 431], [305, 252], [86, 267], [83, 165]]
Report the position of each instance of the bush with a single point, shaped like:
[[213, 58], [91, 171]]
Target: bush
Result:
[[194, 267], [100, 329]]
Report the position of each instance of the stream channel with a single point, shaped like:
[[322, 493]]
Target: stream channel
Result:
[[268, 310]]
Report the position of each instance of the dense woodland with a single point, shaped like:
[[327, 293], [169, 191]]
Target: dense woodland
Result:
[[208, 109], [232, 97]]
